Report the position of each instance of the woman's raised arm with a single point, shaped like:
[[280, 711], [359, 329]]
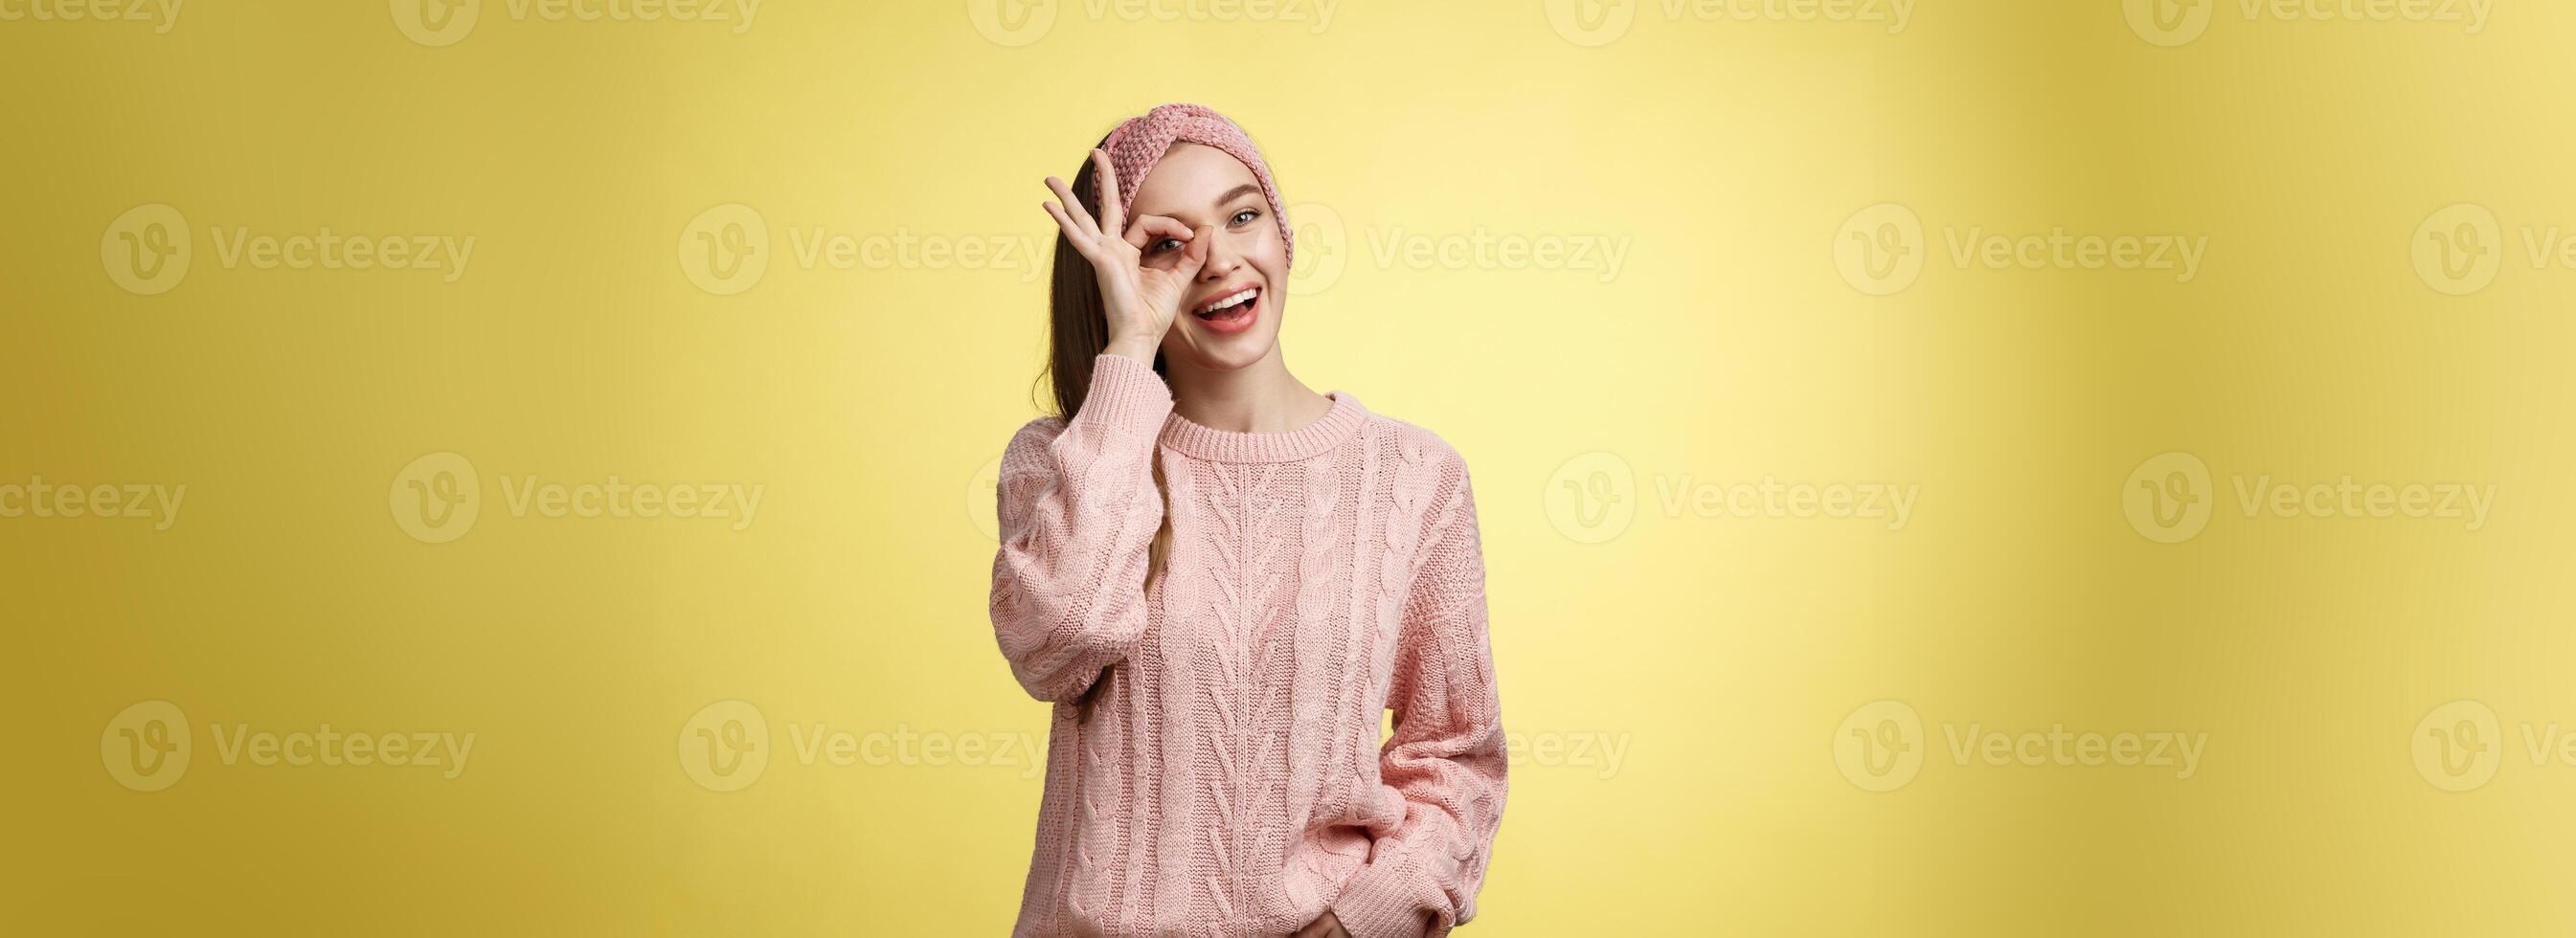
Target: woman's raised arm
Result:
[[1078, 515]]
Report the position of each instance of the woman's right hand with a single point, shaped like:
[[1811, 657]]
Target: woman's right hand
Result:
[[1141, 299]]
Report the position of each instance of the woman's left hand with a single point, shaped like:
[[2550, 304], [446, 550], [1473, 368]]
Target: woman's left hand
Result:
[[1324, 926]]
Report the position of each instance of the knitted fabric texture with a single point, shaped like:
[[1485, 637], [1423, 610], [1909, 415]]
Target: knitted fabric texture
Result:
[[1139, 143], [1214, 766]]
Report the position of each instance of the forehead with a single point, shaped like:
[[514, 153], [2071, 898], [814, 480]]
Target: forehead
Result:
[[1190, 177]]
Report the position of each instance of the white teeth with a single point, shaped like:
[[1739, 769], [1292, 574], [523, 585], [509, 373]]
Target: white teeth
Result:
[[1246, 294]]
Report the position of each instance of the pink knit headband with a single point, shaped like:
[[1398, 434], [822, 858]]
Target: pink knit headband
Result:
[[1139, 143]]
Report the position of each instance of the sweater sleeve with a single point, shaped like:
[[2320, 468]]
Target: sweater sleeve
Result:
[[1078, 515], [1447, 755]]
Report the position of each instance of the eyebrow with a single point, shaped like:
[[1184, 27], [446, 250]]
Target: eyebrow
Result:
[[1237, 193], [1221, 201]]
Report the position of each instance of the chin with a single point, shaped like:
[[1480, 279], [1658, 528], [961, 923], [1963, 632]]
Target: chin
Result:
[[1231, 356]]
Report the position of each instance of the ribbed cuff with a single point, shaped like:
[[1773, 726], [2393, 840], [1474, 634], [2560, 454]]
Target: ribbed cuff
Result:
[[1126, 398], [1381, 901]]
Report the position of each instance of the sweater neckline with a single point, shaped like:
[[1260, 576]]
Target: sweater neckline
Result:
[[1318, 436]]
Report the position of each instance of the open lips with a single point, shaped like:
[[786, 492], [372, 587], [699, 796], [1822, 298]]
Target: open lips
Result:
[[1229, 307]]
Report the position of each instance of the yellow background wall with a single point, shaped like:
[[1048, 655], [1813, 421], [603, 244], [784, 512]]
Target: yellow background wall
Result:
[[1800, 198]]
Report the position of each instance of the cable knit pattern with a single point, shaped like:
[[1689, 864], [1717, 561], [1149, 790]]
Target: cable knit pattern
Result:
[[1214, 768]]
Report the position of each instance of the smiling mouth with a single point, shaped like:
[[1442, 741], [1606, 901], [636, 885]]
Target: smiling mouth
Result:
[[1230, 307]]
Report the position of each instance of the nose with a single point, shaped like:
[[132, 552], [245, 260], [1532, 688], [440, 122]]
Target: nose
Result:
[[1222, 258]]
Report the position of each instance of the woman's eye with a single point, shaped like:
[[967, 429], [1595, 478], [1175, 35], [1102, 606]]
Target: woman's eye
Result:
[[1162, 245], [1246, 216]]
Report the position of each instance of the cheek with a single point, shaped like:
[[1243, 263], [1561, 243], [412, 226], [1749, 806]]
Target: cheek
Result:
[[1270, 254]]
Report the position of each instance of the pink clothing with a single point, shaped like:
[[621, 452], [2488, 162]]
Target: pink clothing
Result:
[[1213, 766]]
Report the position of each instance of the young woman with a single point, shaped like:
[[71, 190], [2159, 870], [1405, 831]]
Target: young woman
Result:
[[1223, 580]]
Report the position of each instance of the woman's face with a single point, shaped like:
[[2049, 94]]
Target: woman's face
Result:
[[1201, 186]]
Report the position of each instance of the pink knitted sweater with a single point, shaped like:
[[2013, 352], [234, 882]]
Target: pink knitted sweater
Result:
[[1214, 766]]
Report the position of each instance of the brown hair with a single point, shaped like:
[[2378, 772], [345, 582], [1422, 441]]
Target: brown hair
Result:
[[1077, 332]]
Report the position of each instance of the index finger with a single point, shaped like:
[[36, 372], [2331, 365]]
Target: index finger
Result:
[[1149, 227], [1113, 217]]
